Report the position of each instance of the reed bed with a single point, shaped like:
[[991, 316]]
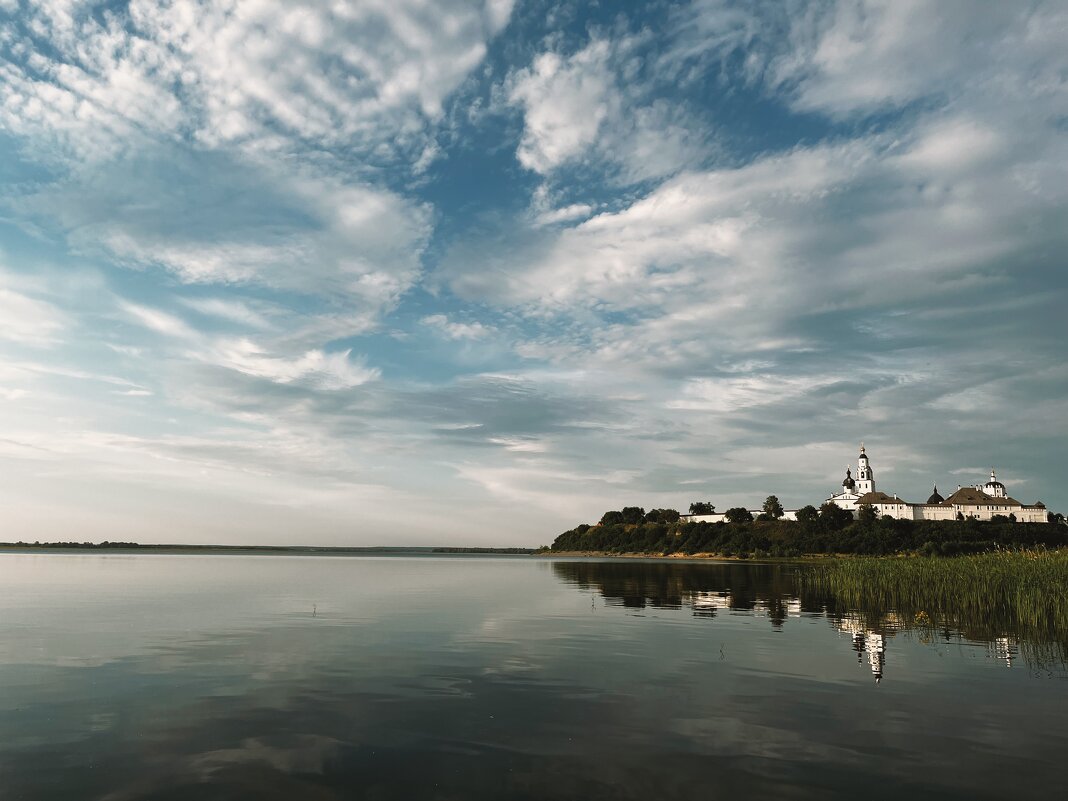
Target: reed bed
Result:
[[1022, 594]]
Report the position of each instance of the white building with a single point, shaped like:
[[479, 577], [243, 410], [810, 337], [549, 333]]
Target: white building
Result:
[[981, 502]]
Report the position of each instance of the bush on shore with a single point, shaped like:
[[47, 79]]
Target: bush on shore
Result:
[[816, 534]]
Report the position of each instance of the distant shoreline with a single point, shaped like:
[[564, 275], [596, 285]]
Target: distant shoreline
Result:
[[280, 550]]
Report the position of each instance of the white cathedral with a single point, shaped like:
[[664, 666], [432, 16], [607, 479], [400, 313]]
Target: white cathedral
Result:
[[981, 502]]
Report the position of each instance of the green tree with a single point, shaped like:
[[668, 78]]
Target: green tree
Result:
[[867, 514], [702, 508], [773, 508], [633, 514], [833, 517], [612, 518], [662, 516], [807, 515], [739, 514]]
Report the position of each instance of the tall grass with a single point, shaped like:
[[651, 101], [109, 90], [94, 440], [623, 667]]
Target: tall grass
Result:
[[1019, 594]]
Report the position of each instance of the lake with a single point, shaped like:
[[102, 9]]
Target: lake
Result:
[[154, 676]]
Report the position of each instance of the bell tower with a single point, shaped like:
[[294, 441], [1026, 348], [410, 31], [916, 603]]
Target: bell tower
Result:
[[865, 476]]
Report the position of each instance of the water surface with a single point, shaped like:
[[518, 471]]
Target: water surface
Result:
[[274, 677]]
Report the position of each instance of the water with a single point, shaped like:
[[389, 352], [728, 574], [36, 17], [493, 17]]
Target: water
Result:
[[269, 677]]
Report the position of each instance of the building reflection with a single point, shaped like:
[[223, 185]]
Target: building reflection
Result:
[[770, 591], [1006, 650], [869, 643]]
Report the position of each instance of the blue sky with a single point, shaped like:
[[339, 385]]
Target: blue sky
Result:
[[473, 272]]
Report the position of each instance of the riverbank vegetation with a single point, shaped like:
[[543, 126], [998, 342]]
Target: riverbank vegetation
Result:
[[983, 596], [829, 530]]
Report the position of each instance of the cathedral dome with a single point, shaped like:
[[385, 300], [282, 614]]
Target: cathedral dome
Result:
[[993, 486], [935, 497], [848, 483]]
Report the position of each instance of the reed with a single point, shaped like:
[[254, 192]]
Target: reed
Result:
[[1021, 594]]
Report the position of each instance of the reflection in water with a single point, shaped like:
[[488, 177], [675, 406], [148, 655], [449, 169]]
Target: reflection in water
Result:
[[865, 642], [774, 592], [138, 678]]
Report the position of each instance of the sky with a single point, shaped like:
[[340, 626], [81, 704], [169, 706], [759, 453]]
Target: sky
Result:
[[475, 271]]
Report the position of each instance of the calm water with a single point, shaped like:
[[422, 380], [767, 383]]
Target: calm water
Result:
[[246, 677]]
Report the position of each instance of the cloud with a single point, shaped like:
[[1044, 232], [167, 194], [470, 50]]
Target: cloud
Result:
[[862, 56], [315, 369], [575, 211], [265, 74], [289, 229], [565, 101], [588, 107], [28, 320], [233, 311], [457, 330], [160, 321]]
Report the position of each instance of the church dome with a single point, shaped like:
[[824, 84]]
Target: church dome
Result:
[[935, 497], [993, 484], [848, 483]]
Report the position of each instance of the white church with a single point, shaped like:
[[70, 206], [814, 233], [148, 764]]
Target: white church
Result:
[[981, 501]]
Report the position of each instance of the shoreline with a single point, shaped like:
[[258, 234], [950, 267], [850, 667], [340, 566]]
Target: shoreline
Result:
[[704, 556], [261, 550]]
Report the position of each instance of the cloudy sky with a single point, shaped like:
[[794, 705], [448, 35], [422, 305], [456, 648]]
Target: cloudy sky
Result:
[[473, 271]]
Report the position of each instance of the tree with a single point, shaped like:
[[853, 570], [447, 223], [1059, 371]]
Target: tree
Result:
[[1055, 517], [633, 514], [807, 515], [739, 514], [773, 508], [612, 518], [834, 517], [702, 508], [662, 516], [866, 514]]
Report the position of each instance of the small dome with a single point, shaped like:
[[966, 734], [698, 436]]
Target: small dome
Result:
[[848, 482], [935, 497], [994, 485]]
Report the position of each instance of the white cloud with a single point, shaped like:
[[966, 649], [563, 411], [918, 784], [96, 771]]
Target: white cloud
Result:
[[27, 320], [287, 228], [457, 330], [160, 321], [565, 101], [729, 395], [867, 55], [234, 311], [585, 107], [315, 368], [575, 211], [260, 72]]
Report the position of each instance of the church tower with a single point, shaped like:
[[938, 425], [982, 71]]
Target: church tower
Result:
[[865, 476]]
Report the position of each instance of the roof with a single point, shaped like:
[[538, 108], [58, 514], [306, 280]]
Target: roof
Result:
[[935, 497], [872, 498], [970, 496]]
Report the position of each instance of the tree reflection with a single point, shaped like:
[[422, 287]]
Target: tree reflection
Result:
[[780, 591]]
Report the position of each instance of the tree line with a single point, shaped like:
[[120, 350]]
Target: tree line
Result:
[[827, 530]]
